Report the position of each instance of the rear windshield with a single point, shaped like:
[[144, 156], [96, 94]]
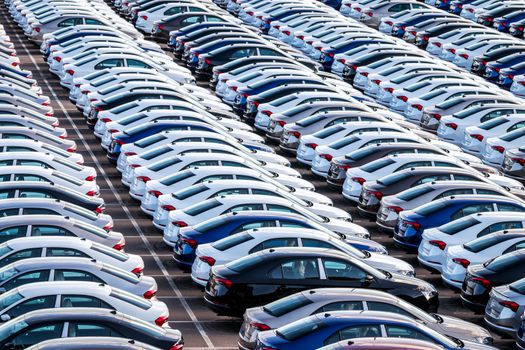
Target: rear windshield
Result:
[[179, 176], [231, 241], [344, 142], [361, 153], [491, 124], [467, 112], [202, 207], [414, 192], [458, 225], [285, 305], [210, 224], [301, 328], [189, 191], [518, 286], [417, 86], [483, 243], [502, 263], [310, 120], [245, 263], [513, 135], [392, 178], [377, 164], [322, 134], [429, 208]]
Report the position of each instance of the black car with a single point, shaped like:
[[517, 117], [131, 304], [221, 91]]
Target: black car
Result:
[[37, 189], [480, 62], [481, 278], [38, 326], [161, 30], [275, 273], [488, 17], [232, 52], [422, 37], [339, 165]]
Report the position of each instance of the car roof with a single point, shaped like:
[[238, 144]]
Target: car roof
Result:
[[55, 263], [50, 241]]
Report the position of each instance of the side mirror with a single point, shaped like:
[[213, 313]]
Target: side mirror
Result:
[[9, 346], [2, 290], [369, 279], [5, 318]]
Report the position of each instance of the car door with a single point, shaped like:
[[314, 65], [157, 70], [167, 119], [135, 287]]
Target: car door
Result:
[[472, 209], [368, 330], [35, 334], [294, 275], [12, 232], [20, 255], [341, 273], [25, 278], [91, 329], [28, 305]]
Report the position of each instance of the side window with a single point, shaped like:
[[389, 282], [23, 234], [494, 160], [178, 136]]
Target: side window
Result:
[[471, 209], [49, 231], [91, 330], [6, 162], [464, 177], [66, 23], [315, 243], [508, 207], [500, 226], [18, 149], [110, 63], [431, 178], [28, 277], [32, 194], [214, 19], [252, 225], [5, 177], [414, 164], [285, 223], [264, 192], [65, 252], [342, 270], [296, 270], [445, 164], [276, 207], [230, 191], [8, 212], [20, 255], [75, 275], [29, 177], [83, 301], [38, 211], [358, 331], [235, 164], [377, 306], [37, 335], [341, 120], [483, 191], [191, 20], [245, 207], [137, 64], [515, 246], [341, 306], [517, 126], [405, 332], [12, 232], [92, 21], [173, 10], [241, 53], [274, 243], [268, 52], [7, 194], [454, 192], [45, 302], [216, 177], [29, 162]]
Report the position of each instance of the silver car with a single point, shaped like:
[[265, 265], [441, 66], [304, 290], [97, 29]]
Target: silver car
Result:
[[505, 307]]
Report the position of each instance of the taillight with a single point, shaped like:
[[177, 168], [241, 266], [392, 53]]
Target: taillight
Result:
[[460, 261], [208, 260], [119, 246], [144, 17], [417, 106], [484, 282], [105, 120], [286, 32], [281, 123], [328, 157], [365, 74], [91, 193], [359, 180], [390, 23], [520, 161], [403, 98], [376, 81], [415, 225], [168, 207], [91, 178], [191, 242], [452, 125], [389, 89], [341, 60], [267, 112], [143, 178], [477, 137], [311, 145], [182, 224], [108, 227], [440, 244], [128, 154], [438, 117], [260, 326], [500, 149], [451, 50], [37, 29], [395, 208], [70, 71], [161, 320], [464, 55], [296, 134], [138, 270], [438, 44], [150, 293], [377, 194], [510, 304], [100, 210], [177, 347], [225, 282], [57, 58], [135, 166], [155, 193]]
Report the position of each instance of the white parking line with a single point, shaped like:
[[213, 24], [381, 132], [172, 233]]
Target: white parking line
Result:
[[175, 289]]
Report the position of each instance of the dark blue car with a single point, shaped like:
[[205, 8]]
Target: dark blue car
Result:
[[503, 23], [456, 6], [229, 224], [493, 68], [326, 328], [147, 129], [412, 223], [506, 75], [327, 55]]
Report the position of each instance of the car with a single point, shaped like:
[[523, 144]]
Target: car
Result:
[[30, 133], [494, 150], [372, 15], [464, 57], [29, 122], [479, 64], [492, 17], [147, 16], [481, 278], [459, 257], [505, 308], [241, 284], [161, 29], [247, 242], [326, 300], [20, 145], [412, 223], [19, 301], [67, 323], [37, 189], [94, 343], [516, 29], [514, 163], [391, 206], [381, 344]]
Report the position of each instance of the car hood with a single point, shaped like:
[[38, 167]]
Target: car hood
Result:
[[462, 329], [388, 263]]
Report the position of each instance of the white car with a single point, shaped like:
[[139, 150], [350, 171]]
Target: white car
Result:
[[437, 45], [452, 127], [464, 57], [518, 85], [27, 133], [220, 205], [21, 300], [21, 145], [74, 269], [476, 136], [49, 206], [147, 18], [347, 144], [197, 193], [186, 178], [449, 50], [494, 151], [431, 251], [180, 162], [29, 122], [15, 249], [247, 242], [173, 136], [306, 151], [50, 161], [160, 153], [459, 257]]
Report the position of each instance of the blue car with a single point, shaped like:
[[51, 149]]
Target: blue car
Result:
[[506, 75], [456, 6], [322, 329], [229, 224], [412, 223], [492, 70], [147, 129], [503, 23], [327, 55]]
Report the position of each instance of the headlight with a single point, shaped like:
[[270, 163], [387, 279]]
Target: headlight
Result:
[[409, 273], [487, 340], [427, 292]]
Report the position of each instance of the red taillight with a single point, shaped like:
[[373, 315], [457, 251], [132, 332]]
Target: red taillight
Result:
[[389, 89], [177, 347], [484, 282], [359, 180], [452, 50], [138, 270], [365, 74], [440, 244], [143, 178], [328, 157], [311, 145], [161, 320], [135, 166], [369, 13], [477, 137], [180, 224], [418, 107], [395, 208], [425, 37], [331, 54], [267, 112], [341, 60], [376, 81], [91, 193], [296, 134], [510, 76], [510, 304], [452, 125], [225, 282], [300, 37], [286, 32], [438, 117], [130, 154], [500, 149], [108, 227], [62, 137], [435, 43], [403, 98], [98, 109], [91, 178], [191, 242], [234, 88], [207, 61], [464, 55], [260, 326], [155, 193], [376, 194], [520, 161], [100, 209], [150, 293], [460, 261], [37, 29], [161, 27], [57, 58], [144, 17], [119, 246], [415, 225], [390, 23], [168, 207], [281, 123], [70, 71], [208, 260]]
